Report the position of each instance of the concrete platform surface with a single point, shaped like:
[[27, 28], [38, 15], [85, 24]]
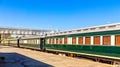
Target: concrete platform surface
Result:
[[18, 57]]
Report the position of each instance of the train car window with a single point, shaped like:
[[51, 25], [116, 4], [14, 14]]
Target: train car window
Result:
[[117, 40], [112, 26], [60, 40], [74, 40], [106, 40], [78, 30], [49, 41], [87, 40], [53, 41], [85, 29], [80, 40], [92, 28], [56, 40], [96, 40], [102, 27], [65, 40]]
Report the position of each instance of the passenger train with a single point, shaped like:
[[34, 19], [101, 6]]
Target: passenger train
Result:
[[101, 40]]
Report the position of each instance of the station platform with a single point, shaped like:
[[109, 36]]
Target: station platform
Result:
[[19, 57]]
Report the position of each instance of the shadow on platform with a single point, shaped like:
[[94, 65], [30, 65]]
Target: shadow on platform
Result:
[[18, 60]]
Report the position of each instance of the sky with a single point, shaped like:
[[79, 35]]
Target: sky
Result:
[[58, 14]]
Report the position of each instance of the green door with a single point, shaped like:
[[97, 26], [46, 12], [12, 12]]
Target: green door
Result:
[[42, 44]]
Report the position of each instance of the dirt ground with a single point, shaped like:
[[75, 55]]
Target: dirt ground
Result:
[[50, 59]]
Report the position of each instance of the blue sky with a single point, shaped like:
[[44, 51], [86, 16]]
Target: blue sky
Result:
[[58, 14]]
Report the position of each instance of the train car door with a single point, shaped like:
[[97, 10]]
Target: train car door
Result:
[[0, 38], [42, 44]]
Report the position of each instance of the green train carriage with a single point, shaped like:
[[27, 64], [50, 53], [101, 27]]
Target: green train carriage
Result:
[[100, 40]]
